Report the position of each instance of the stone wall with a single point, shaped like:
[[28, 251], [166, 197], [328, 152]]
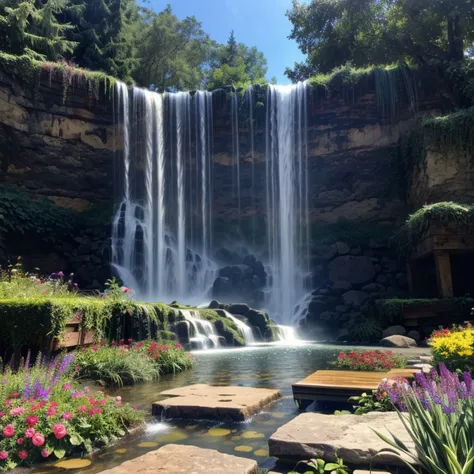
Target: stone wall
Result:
[[440, 177]]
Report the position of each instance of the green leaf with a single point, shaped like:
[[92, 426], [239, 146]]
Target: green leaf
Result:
[[59, 453], [75, 440]]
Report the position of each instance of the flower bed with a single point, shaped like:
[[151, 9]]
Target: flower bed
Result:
[[454, 347], [378, 361], [43, 415], [128, 363]]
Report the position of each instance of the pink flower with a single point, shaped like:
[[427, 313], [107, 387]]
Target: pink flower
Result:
[[8, 403], [45, 453], [15, 395], [2, 413], [8, 431], [17, 411], [19, 441], [82, 409], [59, 431], [23, 454], [44, 292], [31, 420], [86, 389], [118, 399], [38, 440], [66, 386], [67, 415], [51, 411], [78, 368], [3, 455], [29, 433]]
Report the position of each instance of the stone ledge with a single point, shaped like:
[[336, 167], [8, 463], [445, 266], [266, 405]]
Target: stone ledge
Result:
[[177, 459], [350, 437], [203, 401]]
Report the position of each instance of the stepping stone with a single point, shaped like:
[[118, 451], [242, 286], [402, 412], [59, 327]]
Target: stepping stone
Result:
[[350, 437], [202, 401], [177, 459]]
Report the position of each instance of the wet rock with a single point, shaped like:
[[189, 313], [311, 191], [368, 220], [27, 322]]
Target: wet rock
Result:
[[382, 279], [354, 269], [342, 309], [373, 287], [398, 341], [182, 331], [214, 304], [355, 298], [227, 256], [340, 287], [258, 319], [239, 308], [341, 248], [222, 287]]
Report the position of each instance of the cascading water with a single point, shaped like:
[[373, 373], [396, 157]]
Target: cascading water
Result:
[[287, 198], [287, 334], [235, 149], [246, 331], [204, 334], [161, 235]]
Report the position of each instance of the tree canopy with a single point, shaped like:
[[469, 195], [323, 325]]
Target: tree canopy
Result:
[[373, 32], [127, 41]]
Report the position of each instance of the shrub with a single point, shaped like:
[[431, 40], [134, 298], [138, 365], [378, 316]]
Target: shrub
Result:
[[440, 422], [378, 361], [43, 415], [454, 347], [320, 466], [365, 329], [128, 364]]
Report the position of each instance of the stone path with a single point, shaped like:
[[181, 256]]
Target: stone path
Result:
[[177, 459], [202, 401], [350, 437]]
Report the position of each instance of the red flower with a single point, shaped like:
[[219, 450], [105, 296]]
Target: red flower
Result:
[[51, 411], [8, 431], [82, 409], [23, 454], [20, 441], [15, 395], [38, 440], [129, 340], [32, 420], [59, 431]]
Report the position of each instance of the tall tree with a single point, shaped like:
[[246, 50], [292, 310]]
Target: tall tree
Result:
[[32, 27], [172, 53], [106, 32], [368, 32]]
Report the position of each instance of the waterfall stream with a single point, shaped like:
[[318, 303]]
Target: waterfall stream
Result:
[[246, 331], [204, 334], [162, 239]]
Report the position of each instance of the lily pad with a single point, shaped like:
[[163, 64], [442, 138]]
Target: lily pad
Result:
[[253, 435], [74, 463], [243, 449], [121, 450], [261, 452], [147, 444], [218, 432]]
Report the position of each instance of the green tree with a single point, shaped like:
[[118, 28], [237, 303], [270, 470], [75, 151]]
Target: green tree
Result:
[[106, 32], [374, 32], [172, 53], [32, 28], [235, 64]]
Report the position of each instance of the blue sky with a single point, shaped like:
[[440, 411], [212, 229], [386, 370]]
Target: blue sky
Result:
[[260, 23]]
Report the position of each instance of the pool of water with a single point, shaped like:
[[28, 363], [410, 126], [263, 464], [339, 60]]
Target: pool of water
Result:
[[268, 366]]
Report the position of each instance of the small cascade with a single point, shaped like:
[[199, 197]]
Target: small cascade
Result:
[[246, 331], [205, 334], [287, 334], [251, 105]]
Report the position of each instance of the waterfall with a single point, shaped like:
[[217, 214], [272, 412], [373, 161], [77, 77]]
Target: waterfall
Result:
[[161, 235], [287, 334], [246, 331], [287, 198], [204, 332], [235, 149], [251, 105]]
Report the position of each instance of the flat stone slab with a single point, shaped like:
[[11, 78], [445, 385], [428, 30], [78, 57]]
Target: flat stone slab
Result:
[[202, 401], [350, 437], [178, 459]]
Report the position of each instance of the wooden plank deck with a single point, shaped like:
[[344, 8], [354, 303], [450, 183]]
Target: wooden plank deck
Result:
[[340, 385]]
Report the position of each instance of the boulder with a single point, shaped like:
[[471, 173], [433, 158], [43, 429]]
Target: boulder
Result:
[[355, 269], [342, 248], [227, 256], [236, 272], [180, 459], [350, 437], [239, 308], [414, 335], [214, 304], [355, 298], [398, 341], [340, 287], [182, 331], [222, 287], [258, 319], [394, 331], [373, 287]]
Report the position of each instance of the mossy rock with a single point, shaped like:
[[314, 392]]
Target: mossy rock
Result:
[[167, 336]]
